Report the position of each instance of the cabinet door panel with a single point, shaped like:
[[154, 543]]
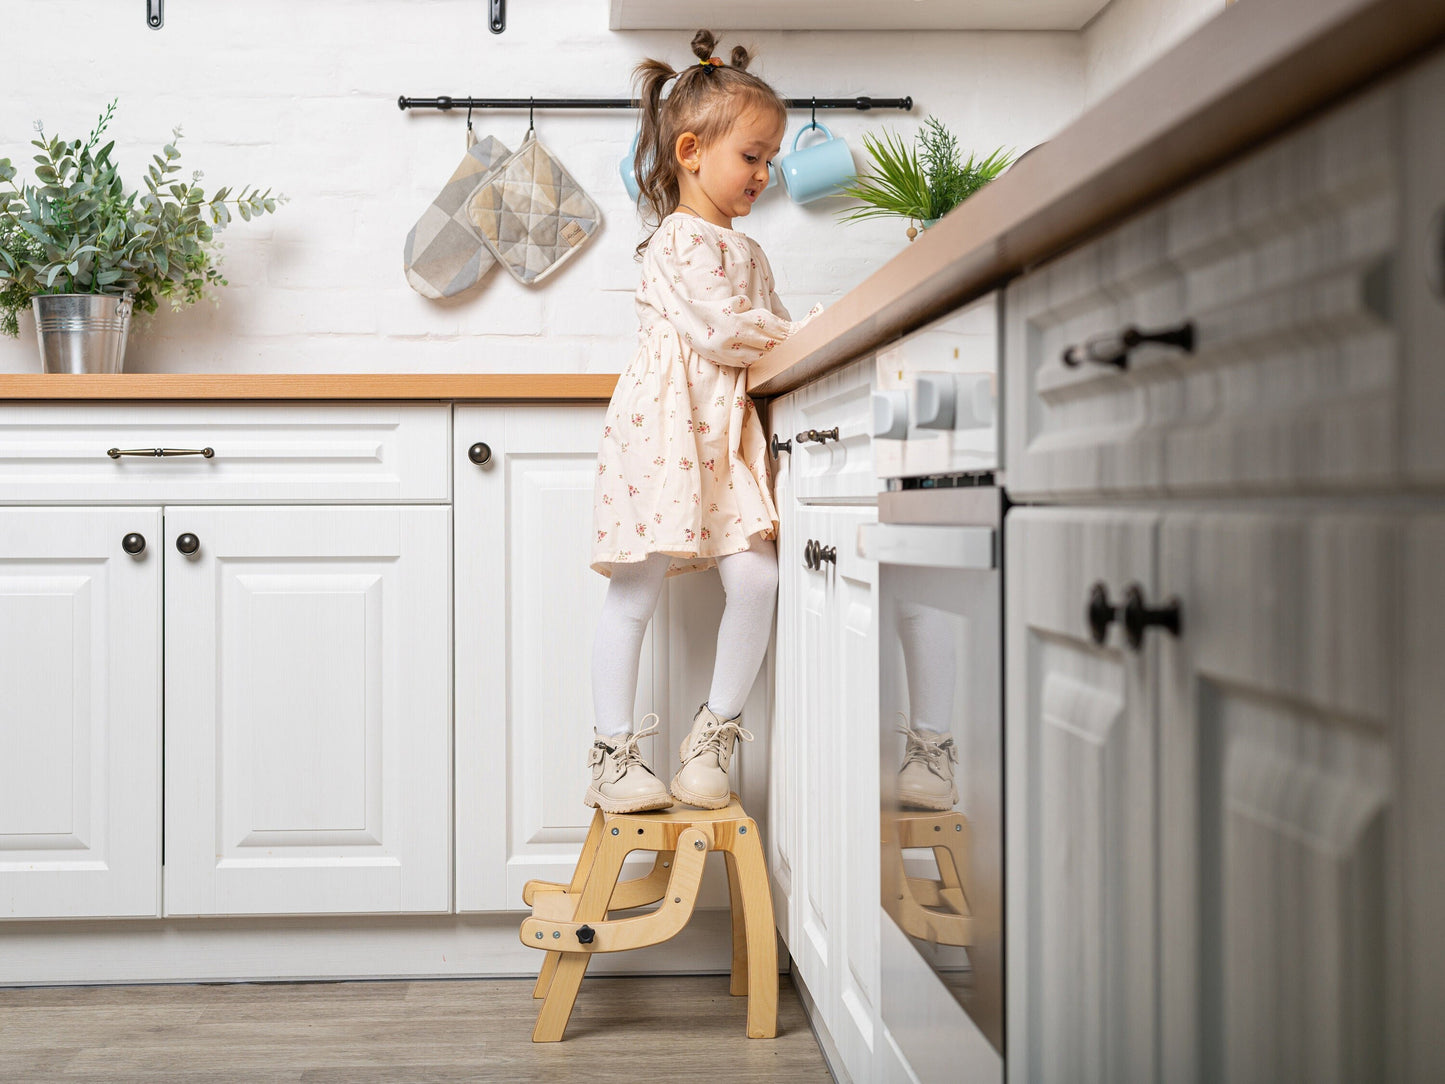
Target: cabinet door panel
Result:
[[785, 805], [1080, 798], [307, 710], [80, 713], [841, 469], [527, 605], [1277, 878]]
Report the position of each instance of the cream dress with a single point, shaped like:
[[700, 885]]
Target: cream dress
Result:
[[683, 465]]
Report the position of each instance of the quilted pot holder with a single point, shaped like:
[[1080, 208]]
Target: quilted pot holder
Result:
[[532, 214]]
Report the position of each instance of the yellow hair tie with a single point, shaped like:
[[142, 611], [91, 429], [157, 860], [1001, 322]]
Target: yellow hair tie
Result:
[[710, 60]]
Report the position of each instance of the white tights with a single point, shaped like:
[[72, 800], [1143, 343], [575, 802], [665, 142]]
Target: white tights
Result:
[[750, 583]]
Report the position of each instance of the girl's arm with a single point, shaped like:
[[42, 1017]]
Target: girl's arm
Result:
[[711, 313]]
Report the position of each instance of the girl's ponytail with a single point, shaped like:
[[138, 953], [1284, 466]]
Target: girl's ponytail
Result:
[[705, 100]]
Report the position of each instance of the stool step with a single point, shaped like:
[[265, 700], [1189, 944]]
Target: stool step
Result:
[[553, 925]]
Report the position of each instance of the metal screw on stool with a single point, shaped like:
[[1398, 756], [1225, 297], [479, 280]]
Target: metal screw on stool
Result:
[[556, 933], [742, 831], [614, 831], [539, 935], [700, 845], [676, 899]]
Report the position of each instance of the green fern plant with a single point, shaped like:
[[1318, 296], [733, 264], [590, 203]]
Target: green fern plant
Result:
[[922, 182]]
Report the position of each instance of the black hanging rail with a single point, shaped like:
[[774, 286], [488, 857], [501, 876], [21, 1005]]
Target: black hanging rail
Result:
[[860, 103]]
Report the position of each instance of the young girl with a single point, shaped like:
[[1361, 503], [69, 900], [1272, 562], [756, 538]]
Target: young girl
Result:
[[682, 474]]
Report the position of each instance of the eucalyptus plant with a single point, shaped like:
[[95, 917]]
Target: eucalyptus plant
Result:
[[79, 231], [922, 182]]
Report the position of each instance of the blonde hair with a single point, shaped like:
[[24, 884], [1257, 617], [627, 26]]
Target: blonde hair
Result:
[[705, 100]]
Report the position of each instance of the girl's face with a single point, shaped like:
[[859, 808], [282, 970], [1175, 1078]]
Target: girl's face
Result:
[[728, 176]]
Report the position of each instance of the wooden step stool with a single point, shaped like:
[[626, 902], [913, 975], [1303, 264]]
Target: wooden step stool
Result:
[[570, 921]]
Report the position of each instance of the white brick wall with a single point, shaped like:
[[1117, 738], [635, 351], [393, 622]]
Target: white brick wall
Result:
[[302, 97]]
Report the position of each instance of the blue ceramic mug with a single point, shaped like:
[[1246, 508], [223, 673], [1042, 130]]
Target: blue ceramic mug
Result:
[[817, 171], [628, 168]]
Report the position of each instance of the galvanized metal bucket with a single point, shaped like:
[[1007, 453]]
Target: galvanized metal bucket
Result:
[[81, 333]]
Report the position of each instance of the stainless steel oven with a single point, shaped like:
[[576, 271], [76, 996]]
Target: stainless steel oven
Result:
[[938, 544]]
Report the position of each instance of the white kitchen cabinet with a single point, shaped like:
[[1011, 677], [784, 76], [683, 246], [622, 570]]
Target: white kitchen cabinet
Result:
[[307, 706], [832, 669], [1288, 271], [1280, 903], [855, 15], [80, 712], [1080, 748], [527, 605], [831, 430]]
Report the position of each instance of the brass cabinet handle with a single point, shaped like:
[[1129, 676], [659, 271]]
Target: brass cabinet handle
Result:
[[133, 544], [810, 559], [480, 454], [116, 453], [1114, 347], [817, 436], [780, 446], [188, 544]]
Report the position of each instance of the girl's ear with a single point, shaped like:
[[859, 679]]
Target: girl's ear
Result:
[[688, 151]]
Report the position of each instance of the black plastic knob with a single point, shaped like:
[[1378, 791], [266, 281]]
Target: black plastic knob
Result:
[[1100, 613], [188, 544], [480, 454], [780, 446], [134, 544], [585, 935], [1139, 616]]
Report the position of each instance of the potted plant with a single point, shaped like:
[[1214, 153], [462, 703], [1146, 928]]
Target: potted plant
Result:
[[82, 252], [920, 183]]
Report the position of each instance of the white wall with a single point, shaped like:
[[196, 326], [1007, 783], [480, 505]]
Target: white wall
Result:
[[1128, 34], [301, 97]]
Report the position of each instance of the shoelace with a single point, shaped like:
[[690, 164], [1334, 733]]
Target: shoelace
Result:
[[624, 752], [719, 736], [926, 750]]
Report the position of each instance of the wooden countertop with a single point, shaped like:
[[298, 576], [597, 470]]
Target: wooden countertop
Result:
[[553, 386], [1250, 72]]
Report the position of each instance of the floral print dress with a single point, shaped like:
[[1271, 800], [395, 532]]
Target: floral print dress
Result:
[[683, 464]]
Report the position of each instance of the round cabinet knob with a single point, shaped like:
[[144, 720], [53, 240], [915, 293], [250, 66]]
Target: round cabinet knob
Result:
[[134, 544], [188, 544], [890, 415], [933, 395], [1139, 616], [480, 454], [780, 446], [1100, 613], [810, 554], [827, 553], [586, 935]]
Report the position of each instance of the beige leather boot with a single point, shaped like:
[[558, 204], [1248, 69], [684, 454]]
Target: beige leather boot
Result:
[[621, 780], [705, 753], [926, 779]]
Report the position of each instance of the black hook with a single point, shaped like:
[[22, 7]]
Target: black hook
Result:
[[469, 114], [814, 122], [531, 104]]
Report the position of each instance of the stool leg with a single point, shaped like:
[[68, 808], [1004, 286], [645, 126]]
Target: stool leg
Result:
[[762, 938], [601, 879], [585, 859], [738, 984]]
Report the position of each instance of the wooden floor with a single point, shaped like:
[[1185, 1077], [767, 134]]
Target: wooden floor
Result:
[[623, 1030]]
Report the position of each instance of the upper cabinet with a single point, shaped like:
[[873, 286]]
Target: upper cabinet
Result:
[[859, 14]]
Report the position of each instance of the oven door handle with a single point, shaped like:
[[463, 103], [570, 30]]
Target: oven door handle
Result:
[[929, 546]]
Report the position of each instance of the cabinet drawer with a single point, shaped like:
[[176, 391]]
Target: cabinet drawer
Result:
[[54, 453], [1282, 266], [836, 469]]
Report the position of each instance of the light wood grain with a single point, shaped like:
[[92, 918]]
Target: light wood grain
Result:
[[493, 386], [625, 1030]]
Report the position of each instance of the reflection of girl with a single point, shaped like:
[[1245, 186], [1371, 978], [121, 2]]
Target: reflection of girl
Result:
[[930, 660]]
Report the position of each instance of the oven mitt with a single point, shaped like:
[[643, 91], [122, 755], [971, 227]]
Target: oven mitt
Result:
[[444, 254], [533, 216]]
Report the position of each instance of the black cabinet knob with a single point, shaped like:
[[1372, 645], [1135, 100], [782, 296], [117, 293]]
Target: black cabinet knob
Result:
[[1114, 347], [188, 544], [586, 935], [827, 553], [134, 544], [1138, 616], [810, 554], [1100, 613], [480, 454], [780, 446]]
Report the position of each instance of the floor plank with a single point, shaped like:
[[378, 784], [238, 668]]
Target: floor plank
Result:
[[622, 1030]]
